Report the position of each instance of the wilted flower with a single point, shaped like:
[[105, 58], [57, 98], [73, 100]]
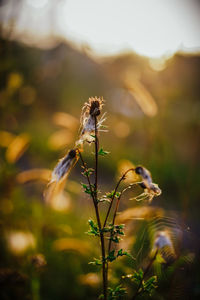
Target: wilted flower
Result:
[[149, 192], [59, 175], [91, 110], [153, 188], [64, 166], [145, 174], [150, 189]]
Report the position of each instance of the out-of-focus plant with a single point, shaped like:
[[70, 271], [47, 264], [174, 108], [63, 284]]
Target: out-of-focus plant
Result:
[[104, 227]]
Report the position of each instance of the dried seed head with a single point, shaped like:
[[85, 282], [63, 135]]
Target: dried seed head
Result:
[[95, 106], [153, 188], [59, 175], [145, 174], [90, 111], [162, 239], [72, 153], [164, 243], [142, 184], [63, 166]]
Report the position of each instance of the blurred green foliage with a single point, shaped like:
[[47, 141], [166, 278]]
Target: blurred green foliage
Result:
[[34, 85]]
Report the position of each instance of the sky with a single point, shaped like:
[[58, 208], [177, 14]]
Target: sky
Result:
[[152, 28]]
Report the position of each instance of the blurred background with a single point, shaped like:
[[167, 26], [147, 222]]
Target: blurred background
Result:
[[143, 58]]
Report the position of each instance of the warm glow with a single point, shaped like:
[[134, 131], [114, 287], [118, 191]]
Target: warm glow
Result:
[[20, 241], [153, 28]]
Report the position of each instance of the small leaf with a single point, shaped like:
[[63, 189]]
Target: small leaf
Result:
[[110, 194], [106, 229], [88, 172], [87, 189], [121, 226], [117, 194], [111, 257], [123, 253], [138, 276], [120, 253], [150, 284], [115, 239], [96, 262], [116, 293], [94, 230], [102, 152]]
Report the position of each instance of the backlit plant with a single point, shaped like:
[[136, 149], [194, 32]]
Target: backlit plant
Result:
[[104, 227]]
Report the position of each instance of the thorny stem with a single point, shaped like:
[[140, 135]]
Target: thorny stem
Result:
[[138, 291], [104, 273]]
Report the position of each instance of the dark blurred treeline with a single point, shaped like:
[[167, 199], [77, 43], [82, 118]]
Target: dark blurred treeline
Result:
[[152, 117]]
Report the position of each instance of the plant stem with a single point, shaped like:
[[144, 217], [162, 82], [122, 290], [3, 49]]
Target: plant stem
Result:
[[144, 274], [104, 274], [113, 223], [115, 212], [115, 191], [88, 178], [95, 202]]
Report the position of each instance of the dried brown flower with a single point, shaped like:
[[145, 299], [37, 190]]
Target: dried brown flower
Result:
[[90, 111]]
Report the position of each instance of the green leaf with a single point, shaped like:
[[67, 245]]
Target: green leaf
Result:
[[116, 293], [96, 262], [120, 252], [94, 230], [138, 276], [88, 172], [115, 239], [123, 253], [150, 284], [111, 257], [87, 189], [117, 194], [106, 229], [110, 194], [121, 226], [102, 152]]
